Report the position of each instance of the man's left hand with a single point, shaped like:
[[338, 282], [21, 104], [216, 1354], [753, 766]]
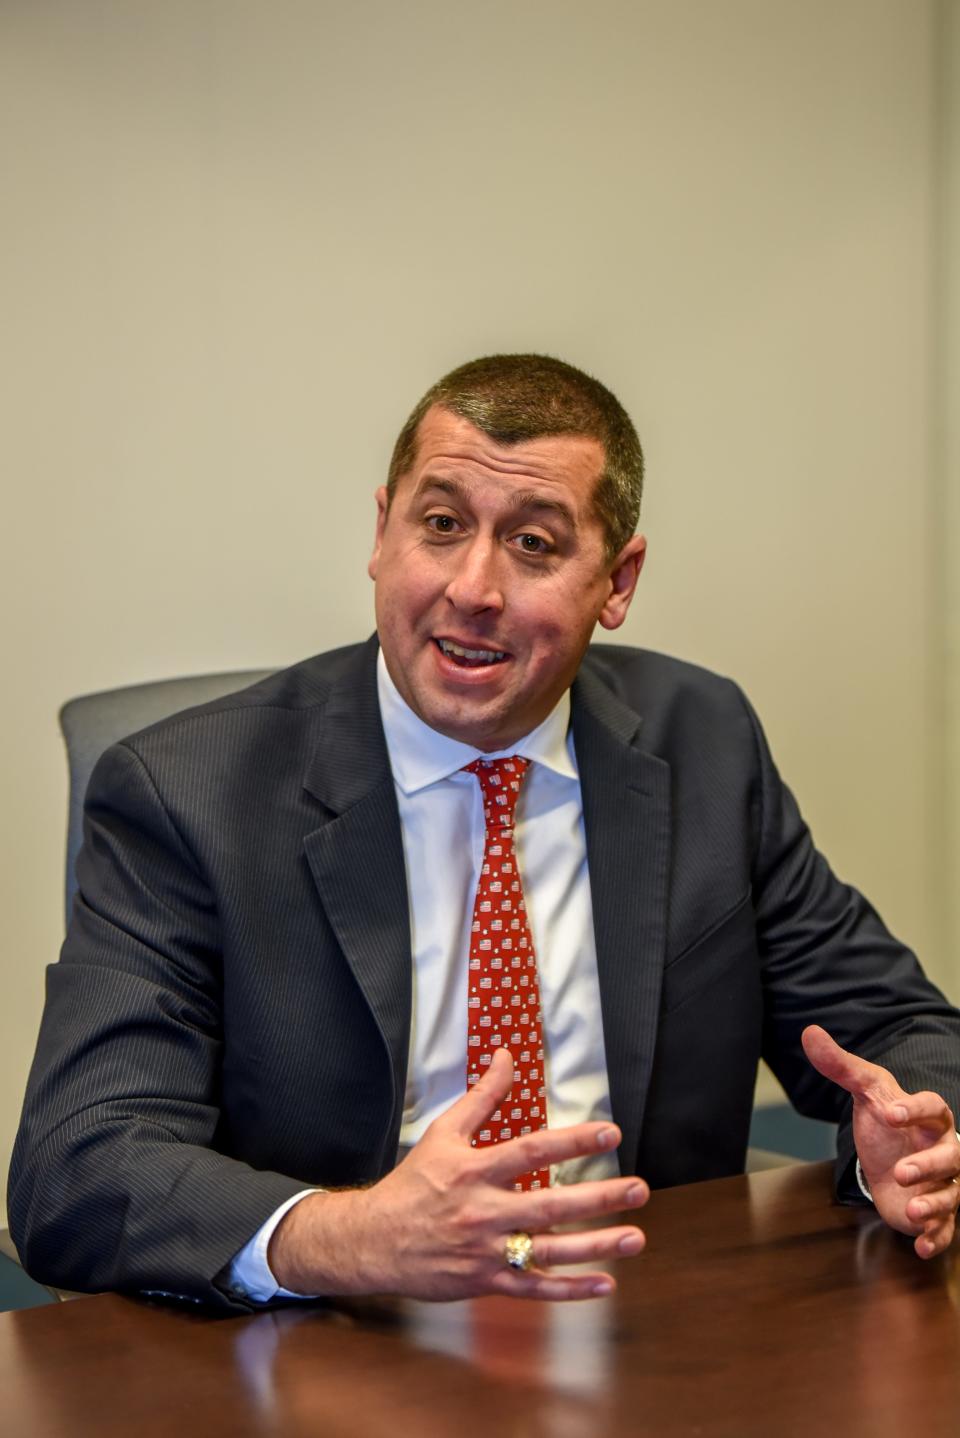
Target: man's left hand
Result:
[[906, 1143]]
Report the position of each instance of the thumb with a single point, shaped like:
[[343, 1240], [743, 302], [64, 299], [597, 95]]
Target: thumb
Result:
[[854, 1074], [478, 1103]]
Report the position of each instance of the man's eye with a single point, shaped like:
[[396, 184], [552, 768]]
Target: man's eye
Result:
[[441, 523], [532, 544]]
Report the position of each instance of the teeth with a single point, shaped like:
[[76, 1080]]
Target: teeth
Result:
[[482, 656]]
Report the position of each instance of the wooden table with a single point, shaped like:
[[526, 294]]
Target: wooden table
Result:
[[759, 1308]]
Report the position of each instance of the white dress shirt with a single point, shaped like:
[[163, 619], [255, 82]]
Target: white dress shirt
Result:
[[441, 822]]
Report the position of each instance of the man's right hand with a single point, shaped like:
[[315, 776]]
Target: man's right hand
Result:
[[436, 1227]]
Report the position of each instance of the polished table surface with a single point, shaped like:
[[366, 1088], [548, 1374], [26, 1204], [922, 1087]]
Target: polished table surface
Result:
[[760, 1307]]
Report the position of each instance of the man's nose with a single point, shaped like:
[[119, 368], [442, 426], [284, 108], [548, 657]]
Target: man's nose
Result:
[[476, 584]]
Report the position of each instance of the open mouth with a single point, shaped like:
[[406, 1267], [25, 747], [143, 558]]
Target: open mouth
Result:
[[470, 658]]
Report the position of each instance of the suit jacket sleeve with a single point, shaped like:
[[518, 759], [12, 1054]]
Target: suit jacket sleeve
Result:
[[116, 1180], [828, 958]]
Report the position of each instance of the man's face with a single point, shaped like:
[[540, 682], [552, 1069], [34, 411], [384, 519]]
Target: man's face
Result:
[[490, 576]]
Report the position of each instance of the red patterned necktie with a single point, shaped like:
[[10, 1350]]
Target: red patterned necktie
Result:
[[503, 998]]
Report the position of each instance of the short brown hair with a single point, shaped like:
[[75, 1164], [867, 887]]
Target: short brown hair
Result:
[[513, 398]]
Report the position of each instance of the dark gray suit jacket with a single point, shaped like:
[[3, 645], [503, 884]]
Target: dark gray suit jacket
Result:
[[230, 1015]]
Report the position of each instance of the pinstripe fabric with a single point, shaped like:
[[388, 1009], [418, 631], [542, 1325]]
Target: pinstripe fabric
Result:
[[229, 1020]]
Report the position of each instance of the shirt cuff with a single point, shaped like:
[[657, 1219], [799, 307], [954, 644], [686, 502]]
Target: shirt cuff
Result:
[[861, 1181], [249, 1273]]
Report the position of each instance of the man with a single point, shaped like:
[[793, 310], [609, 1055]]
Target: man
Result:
[[303, 944]]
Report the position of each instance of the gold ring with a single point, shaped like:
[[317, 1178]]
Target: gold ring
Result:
[[518, 1251]]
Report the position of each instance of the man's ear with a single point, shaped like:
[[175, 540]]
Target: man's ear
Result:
[[383, 505], [623, 582]]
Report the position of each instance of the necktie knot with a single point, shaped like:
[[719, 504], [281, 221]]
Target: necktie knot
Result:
[[500, 781]]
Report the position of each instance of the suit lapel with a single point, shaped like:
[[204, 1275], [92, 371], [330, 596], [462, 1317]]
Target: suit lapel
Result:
[[356, 859], [626, 810]]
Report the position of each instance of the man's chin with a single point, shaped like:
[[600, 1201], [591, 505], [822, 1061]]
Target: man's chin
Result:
[[479, 731], [481, 723]]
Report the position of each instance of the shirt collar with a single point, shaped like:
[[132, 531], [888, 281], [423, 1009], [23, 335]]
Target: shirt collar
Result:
[[420, 755]]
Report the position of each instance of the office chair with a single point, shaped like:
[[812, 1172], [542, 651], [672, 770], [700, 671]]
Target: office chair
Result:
[[91, 724], [17, 1288], [778, 1126]]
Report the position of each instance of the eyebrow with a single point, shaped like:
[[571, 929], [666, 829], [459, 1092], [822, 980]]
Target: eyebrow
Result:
[[525, 501], [528, 500], [433, 481]]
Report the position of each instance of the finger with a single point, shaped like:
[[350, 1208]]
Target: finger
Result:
[[937, 1204], [553, 1249], [935, 1239], [554, 1287], [926, 1109], [938, 1164], [545, 1208], [472, 1111], [854, 1074], [504, 1161]]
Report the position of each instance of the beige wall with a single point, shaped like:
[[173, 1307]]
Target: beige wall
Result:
[[240, 238], [946, 429]]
